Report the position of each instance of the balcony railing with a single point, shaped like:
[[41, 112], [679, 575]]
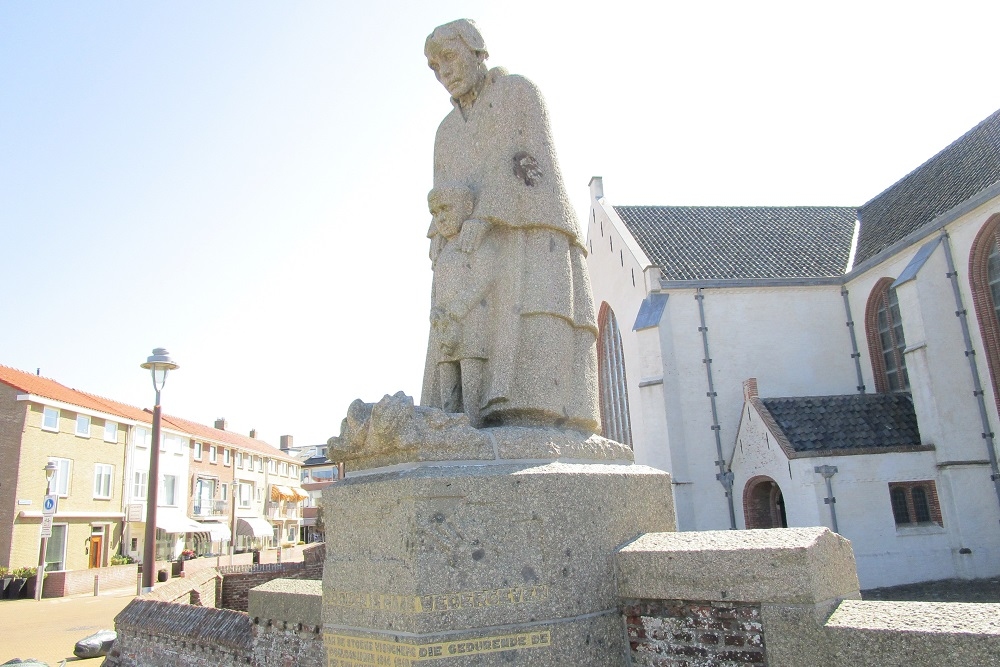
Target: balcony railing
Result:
[[278, 512], [211, 508]]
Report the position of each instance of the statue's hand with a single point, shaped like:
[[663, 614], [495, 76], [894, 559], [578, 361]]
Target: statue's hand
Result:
[[473, 231]]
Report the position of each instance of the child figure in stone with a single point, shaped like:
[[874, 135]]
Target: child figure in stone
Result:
[[462, 256]]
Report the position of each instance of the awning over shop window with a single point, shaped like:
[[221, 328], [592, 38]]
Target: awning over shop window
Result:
[[299, 493], [219, 531], [279, 492], [175, 522], [253, 526]]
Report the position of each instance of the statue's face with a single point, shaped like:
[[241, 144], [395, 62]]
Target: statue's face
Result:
[[448, 215], [456, 66]]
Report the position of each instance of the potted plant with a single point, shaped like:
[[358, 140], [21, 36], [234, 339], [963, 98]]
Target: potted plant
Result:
[[5, 579], [16, 587]]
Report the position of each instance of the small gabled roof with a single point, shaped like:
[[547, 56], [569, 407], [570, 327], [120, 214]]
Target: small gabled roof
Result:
[[852, 423], [959, 172], [743, 242]]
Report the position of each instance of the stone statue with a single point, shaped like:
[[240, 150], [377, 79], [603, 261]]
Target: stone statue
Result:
[[513, 335]]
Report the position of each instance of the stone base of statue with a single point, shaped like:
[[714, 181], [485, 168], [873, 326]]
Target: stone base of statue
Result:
[[498, 552]]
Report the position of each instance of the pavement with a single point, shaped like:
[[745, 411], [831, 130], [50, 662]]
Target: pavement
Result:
[[49, 629]]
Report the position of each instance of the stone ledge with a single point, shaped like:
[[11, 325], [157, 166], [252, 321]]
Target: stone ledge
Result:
[[783, 566], [294, 601], [916, 634]]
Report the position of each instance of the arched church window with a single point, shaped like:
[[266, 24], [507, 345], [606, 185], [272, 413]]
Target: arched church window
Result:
[[615, 421], [884, 329], [984, 279], [764, 504]]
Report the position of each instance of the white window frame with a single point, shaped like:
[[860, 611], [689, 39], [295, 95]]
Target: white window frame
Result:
[[198, 450], [260, 463], [104, 475], [239, 459], [82, 433], [47, 412], [65, 543], [246, 495], [224, 492], [284, 469], [60, 480], [140, 437], [139, 488], [272, 466], [213, 454], [163, 500], [227, 456], [110, 431]]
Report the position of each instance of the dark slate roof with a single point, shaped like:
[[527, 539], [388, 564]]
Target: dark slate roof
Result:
[[853, 421], [962, 170], [743, 242]]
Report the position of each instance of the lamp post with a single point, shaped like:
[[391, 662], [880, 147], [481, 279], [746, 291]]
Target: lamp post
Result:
[[50, 470], [157, 364]]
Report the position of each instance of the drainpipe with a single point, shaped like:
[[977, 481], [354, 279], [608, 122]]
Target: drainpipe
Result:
[[970, 354], [828, 472], [724, 476], [855, 354]]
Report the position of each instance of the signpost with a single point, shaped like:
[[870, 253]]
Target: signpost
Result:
[[50, 505]]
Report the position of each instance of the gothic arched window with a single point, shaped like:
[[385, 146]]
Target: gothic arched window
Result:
[[884, 329], [615, 421], [984, 279]]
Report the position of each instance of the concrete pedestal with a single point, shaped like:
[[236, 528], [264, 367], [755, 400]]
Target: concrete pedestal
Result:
[[488, 563]]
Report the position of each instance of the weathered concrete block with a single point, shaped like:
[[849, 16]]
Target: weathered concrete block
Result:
[[780, 566]]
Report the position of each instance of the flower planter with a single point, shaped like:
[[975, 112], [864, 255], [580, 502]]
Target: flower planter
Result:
[[15, 590], [4, 585]]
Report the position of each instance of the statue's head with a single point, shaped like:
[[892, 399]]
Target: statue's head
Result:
[[457, 54], [450, 204]]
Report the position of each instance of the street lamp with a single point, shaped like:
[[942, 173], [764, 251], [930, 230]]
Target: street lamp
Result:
[[157, 364], [50, 470]]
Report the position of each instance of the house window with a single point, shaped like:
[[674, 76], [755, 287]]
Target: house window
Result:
[[984, 279], [83, 426], [103, 473], [260, 464], [198, 447], [272, 466], [613, 390], [110, 431], [915, 503], [224, 492], [168, 491], [260, 495], [139, 484], [55, 550], [246, 495], [226, 456], [60, 479], [50, 419], [213, 454], [204, 496], [284, 469], [884, 330], [143, 438]]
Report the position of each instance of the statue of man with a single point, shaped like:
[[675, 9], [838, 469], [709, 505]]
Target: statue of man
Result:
[[539, 340]]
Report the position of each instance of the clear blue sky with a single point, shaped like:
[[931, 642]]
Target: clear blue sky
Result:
[[244, 183]]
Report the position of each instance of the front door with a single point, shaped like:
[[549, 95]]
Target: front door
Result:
[[96, 544]]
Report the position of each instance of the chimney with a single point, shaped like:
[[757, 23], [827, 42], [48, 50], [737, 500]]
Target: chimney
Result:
[[220, 423], [749, 389], [596, 187], [253, 433], [286, 443]]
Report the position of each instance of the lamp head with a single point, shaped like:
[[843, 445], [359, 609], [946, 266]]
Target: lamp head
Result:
[[50, 470], [158, 364]]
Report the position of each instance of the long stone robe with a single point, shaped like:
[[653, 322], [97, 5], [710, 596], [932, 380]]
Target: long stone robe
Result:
[[541, 336]]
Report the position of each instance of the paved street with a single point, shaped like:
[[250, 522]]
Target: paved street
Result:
[[49, 629]]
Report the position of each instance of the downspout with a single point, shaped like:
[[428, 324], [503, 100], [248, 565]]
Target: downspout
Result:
[[855, 354], [828, 472], [724, 476], [970, 354]]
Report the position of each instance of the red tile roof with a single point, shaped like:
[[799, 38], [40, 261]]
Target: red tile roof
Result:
[[48, 388]]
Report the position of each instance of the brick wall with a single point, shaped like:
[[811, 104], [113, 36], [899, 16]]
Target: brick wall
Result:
[[200, 589], [151, 632], [74, 582], [12, 415], [238, 580], [281, 644], [674, 633]]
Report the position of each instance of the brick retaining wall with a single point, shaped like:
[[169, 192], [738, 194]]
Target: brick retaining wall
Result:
[[73, 582], [684, 633], [239, 579]]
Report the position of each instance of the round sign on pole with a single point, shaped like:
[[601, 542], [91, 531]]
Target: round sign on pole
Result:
[[50, 504]]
